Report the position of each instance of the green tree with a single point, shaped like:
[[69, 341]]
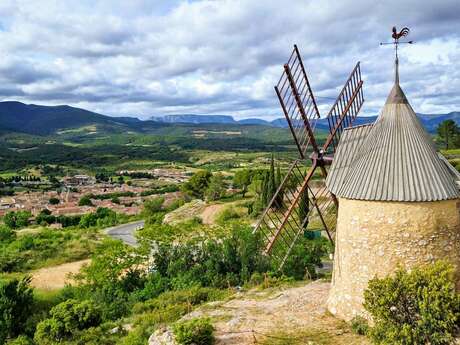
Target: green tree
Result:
[[304, 207], [416, 307], [16, 301], [197, 184], [242, 180], [85, 201], [216, 187], [45, 217], [53, 201], [265, 192], [448, 132], [7, 235], [278, 180], [271, 184], [152, 206], [114, 273], [16, 220]]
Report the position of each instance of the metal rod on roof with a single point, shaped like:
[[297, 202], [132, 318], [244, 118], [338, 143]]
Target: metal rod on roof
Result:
[[396, 36]]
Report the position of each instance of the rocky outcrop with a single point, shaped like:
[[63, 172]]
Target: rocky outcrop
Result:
[[162, 336]]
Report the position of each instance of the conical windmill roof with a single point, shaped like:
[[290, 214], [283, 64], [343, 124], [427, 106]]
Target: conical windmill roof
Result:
[[396, 161]]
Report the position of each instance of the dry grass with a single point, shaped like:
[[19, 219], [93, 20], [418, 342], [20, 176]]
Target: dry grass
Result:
[[56, 277]]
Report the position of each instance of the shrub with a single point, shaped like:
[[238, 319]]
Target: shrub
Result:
[[305, 257], [66, 319], [53, 201], [16, 220], [153, 206], [227, 214], [45, 217], [225, 262], [417, 307], [103, 217], [21, 340], [16, 300], [85, 201], [196, 331], [359, 325], [175, 205], [6, 234]]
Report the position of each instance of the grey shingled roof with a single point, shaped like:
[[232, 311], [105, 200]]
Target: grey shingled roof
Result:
[[396, 161], [351, 140]]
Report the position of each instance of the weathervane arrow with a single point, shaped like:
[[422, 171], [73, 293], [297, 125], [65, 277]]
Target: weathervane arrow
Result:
[[396, 36]]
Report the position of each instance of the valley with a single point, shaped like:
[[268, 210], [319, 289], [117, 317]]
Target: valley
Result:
[[143, 224]]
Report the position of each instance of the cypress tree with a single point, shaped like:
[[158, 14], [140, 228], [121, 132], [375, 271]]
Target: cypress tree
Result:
[[264, 192], [304, 207], [279, 198], [271, 180]]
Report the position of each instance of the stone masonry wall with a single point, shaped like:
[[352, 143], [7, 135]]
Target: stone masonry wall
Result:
[[374, 238]]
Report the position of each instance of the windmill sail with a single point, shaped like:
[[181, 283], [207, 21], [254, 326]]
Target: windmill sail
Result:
[[298, 103], [302, 203], [345, 108]]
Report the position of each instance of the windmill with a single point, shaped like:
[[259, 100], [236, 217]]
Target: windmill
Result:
[[302, 200]]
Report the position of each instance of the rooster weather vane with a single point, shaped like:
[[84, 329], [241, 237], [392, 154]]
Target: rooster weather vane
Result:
[[396, 36]]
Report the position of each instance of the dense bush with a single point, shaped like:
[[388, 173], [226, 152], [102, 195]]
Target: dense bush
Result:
[[67, 318], [103, 217], [305, 256], [225, 262], [227, 214], [21, 340], [198, 184], [417, 307], [16, 300], [6, 234], [113, 275], [359, 325], [53, 201], [195, 331], [85, 201], [152, 206], [16, 220]]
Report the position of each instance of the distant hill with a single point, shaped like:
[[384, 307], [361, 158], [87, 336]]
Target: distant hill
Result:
[[41, 120], [47, 120], [429, 121]]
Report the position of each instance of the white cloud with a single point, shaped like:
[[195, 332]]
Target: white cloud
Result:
[[143, 58]]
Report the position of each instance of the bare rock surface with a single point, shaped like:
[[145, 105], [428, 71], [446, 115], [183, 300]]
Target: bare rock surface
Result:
[[162, 336], [253, 317]]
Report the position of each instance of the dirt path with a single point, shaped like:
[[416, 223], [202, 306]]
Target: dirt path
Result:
[[210, 213], [294, 315], [51, 278]]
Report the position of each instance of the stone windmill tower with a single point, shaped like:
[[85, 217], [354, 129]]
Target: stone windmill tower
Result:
[[398, 201]]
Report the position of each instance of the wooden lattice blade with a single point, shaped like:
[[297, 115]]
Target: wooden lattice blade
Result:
[[298, 103], [287, 218], [345, 109]]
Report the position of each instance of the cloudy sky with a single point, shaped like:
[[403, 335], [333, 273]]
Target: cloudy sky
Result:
[[144, 58]]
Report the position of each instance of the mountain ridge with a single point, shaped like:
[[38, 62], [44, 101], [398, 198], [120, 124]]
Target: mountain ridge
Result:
[[44, 120], [430, 121]]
